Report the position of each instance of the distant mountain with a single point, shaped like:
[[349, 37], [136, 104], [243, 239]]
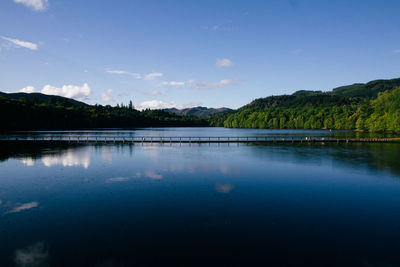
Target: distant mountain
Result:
[[38, 98], [201, 112]]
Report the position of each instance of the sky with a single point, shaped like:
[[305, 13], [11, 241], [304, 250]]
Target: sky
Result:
[[213, 53]]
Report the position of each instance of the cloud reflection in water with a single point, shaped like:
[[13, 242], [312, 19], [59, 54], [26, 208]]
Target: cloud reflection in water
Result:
[[118, 179], [25, 206], [224, 188], [32, 256], [69, 158], [28, 161]]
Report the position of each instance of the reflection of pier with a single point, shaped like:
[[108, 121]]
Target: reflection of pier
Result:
[[193, 139]]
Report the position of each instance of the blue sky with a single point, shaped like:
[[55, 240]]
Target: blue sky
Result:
[[212, 53]]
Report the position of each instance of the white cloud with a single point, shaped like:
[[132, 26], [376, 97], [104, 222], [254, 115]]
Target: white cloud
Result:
[[212, 85], [124, 72], [153, 75], [70, 91], [157, 104], [202, 84], [37, 5], [173, 83], [154, 93], [396, 51], [212, 28], [33, 256], [28, 89], [224, 63], [106, 96], [19, 43], [147, 77], [23, 207]]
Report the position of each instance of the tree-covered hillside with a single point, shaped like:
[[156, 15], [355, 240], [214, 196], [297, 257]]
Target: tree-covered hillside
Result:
[[201, 112], [38, 98], [28, 114], [347, 107], [370, 89]]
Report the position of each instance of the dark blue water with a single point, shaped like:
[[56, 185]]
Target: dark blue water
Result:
[[134, 205]]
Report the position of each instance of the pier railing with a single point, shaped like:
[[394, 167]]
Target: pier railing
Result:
[[190, 139]]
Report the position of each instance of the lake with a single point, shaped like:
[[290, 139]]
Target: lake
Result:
[[199, 204]]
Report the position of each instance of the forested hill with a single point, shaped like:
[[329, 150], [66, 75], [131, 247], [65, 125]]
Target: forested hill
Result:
[[42, 112], [338, 96], [38, 98], [374, 106], [370, 89], [201, 112]]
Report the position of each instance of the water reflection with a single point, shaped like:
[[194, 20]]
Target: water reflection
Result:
[[68, 158], [35, 255], [380, 157], [147, 174], [224, 188], [28, 161], [152, 175], [118, 179], [374, 156], [25, 206], [145, 205]]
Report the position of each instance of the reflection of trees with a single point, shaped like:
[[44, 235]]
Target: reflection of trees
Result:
[[374, 156], [31, 152]]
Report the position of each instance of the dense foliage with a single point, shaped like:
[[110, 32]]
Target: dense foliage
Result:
[[30, 114], [201, 112], [318, 111]]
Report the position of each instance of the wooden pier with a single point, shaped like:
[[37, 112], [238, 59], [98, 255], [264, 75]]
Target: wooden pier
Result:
[[190, 139]]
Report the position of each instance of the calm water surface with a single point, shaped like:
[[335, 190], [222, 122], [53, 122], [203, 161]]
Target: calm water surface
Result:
[[139, 205]]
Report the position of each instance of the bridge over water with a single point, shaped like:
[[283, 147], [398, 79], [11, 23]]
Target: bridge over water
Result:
[[192, 139]]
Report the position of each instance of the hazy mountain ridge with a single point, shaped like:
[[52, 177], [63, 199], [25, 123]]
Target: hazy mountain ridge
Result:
[[201, 112]]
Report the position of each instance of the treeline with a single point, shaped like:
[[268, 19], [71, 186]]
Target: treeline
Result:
[[28, 114], [318, 111]]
